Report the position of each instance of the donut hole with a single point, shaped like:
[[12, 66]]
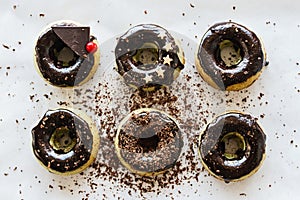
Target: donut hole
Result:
[[61, 55], [233, 146], [146, 56], [62, 141], [230, 53], [148, 141]]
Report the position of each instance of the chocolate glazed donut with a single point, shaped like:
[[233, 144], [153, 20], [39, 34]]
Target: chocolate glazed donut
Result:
[[232, 147], [64, 143], [61, 56], [148, 142], [148, 57], [230, 56]]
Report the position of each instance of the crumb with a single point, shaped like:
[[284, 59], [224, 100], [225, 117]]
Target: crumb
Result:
[[5, 46], [188, 78], [42, 15], [233, 7], [62, 103], [145, 12], [260, 96], [31, 97], [192, 5]]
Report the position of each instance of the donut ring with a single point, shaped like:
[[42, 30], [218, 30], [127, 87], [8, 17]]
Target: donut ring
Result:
[[230, 56], [48, 57], [232, 146], [64, 142], [148, 142], [148, 57]]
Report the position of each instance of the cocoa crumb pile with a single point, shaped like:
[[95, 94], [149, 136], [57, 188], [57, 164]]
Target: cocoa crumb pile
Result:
[[111, 106], [190, 101]]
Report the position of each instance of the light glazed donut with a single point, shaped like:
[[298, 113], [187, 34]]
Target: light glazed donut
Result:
[[148, 142]]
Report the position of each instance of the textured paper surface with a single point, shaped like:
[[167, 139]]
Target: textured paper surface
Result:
[[273, 98]]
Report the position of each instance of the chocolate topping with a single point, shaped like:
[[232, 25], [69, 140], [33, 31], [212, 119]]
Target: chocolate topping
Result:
[[150, 141], [55, 158], [74, 37], [253, 58], [212, 148]]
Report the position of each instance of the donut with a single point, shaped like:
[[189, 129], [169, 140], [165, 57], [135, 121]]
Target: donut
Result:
[[66, 55], [148, 142], [230, 56], [232, 146], [65, 142], [148, 57]]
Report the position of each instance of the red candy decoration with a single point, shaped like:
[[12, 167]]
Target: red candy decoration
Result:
[[91, 47]]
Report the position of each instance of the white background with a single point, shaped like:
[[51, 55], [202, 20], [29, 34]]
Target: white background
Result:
[[276, 22]]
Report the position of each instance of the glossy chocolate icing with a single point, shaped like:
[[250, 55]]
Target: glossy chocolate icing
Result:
[[58, 160], [54, 72], [150, 141], [134, 72], [212, 150], [253, 58]]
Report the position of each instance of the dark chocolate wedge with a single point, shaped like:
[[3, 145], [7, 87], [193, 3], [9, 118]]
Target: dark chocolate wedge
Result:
[[75, 38]]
